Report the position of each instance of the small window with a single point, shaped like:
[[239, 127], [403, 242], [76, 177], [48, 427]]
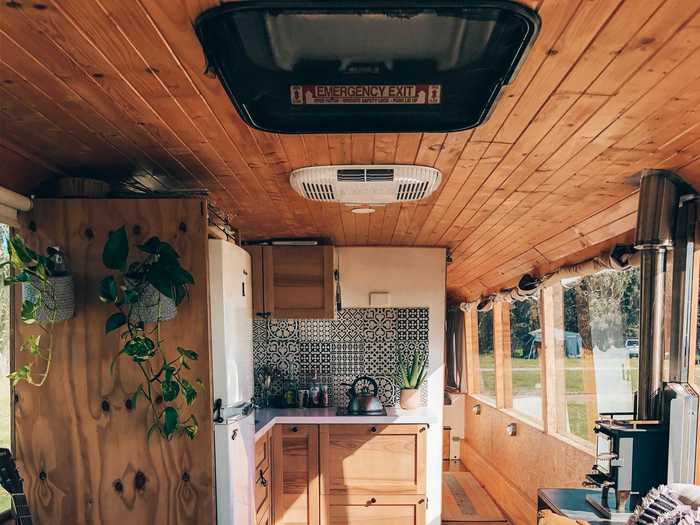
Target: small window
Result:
[[598, 348], [5, 391], [526, 359], [485, 384]]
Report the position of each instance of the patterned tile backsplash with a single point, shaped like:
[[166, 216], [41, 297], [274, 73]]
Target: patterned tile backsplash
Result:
[[361, 341]]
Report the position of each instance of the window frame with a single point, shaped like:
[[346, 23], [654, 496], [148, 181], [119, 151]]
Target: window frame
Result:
[[551, 315]]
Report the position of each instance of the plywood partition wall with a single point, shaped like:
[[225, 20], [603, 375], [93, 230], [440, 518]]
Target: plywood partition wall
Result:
[[83, 455]]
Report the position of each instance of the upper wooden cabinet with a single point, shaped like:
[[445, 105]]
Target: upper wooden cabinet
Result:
[[293, 282], [373, 459]]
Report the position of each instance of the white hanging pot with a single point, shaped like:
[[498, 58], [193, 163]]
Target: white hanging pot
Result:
[[55, 295]]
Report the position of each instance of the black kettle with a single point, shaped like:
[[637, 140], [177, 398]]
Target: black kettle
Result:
[[362, 399]]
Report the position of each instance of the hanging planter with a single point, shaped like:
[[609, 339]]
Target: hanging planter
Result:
[[54, 297], [47, 298], [152, 305], [144, 293]]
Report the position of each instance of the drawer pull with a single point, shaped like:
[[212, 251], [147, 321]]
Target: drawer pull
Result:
[[373, 429], [262, 479], [295, 429], [373, 500]]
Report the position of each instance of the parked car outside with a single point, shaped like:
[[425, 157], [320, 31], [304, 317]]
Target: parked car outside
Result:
[[632, 346]]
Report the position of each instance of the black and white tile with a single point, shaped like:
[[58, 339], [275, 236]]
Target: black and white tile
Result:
[[361, 341]]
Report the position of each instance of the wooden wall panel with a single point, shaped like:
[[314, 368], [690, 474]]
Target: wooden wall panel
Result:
[[63, 429], [512, 468]]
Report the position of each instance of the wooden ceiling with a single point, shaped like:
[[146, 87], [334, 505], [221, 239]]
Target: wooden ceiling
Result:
[[109, 87]]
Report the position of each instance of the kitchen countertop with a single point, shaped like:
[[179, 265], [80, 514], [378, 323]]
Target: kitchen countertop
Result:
[[266, 418]]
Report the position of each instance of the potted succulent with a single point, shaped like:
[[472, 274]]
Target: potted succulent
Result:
[[409, 377], [144, 293], [47, 298]]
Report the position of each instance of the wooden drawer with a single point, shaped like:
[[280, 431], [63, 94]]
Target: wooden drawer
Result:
[[373, 459], [262, 452], [373, 510], [263, 491]]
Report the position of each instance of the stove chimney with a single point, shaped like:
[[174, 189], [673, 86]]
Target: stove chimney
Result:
[[656, 218]]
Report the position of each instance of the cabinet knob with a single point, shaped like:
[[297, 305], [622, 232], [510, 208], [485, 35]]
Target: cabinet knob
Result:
[[295, 429], [373, 500], [373, 429]]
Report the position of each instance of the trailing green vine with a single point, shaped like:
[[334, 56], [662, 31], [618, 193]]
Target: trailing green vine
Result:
[[33, 270], [164, 385]]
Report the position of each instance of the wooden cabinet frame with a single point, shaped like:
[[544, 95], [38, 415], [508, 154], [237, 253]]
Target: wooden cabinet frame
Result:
[[289, 443], [311, 282]]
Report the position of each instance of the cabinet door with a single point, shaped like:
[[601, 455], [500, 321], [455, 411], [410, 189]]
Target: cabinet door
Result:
[[299, 282], [373, 510], [295, 497], [257, 279], [373, 459]]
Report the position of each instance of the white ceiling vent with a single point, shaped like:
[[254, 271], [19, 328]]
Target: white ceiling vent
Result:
[[365, 184]]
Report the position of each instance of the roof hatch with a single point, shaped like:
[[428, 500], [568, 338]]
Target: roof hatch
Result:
[[338, 67]]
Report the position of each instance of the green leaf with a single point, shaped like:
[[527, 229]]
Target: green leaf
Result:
[[192, 429], [170, 420], [19, 278], [31, 344], [133, 397], [115, 321], [150, 246], [189, 354], [160, 280], [116, 250], [188, 391], [20, 254], [170, 390], [140, 349], [28, 311], [130, 296], [23, 373], [108, 290]]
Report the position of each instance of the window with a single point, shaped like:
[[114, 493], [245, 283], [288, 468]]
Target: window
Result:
[[526, 358], [486, 376], [5, 391], [598, 350]]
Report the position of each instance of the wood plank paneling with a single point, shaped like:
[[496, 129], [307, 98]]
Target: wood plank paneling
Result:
[[607, 89], [75, 439]]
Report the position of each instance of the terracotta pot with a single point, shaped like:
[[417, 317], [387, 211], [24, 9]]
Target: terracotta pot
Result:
[[410, 398]]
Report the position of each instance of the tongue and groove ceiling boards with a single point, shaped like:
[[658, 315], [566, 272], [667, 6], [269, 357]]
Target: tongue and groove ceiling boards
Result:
[[115, 87]]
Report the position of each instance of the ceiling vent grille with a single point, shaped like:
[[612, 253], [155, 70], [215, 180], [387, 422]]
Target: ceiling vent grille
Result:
[[376, 185]]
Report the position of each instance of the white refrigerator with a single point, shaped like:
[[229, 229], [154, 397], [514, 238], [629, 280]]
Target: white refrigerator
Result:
[[231, 318]]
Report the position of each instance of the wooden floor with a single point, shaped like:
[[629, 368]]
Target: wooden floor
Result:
[[465, 501]]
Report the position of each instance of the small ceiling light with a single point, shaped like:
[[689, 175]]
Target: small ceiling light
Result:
[[363, 211]]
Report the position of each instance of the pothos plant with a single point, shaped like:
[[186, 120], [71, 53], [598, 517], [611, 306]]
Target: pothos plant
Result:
[[33, 270], [165, 387]]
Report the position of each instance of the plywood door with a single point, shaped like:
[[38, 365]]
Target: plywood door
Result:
[[79, 448], [373, 459], [299, 282], [373, 510], [295, 498]]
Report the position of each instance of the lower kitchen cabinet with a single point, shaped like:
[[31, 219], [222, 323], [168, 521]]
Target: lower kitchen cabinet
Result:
[[295, 494], [345, 475], [373, 459], [373, 510], [263, 479]]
